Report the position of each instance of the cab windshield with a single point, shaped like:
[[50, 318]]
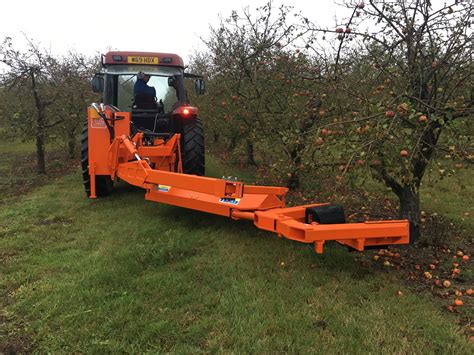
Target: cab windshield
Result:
[[164, 92], [126, 77]]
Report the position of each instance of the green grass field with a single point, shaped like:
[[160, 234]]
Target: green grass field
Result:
[[122, 274], [450, 197]]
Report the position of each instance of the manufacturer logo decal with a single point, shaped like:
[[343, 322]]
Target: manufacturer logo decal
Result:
[[163, 188], [232, 201], [98, 123]]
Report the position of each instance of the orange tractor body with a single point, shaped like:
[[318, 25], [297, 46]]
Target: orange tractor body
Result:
[[160, 148]]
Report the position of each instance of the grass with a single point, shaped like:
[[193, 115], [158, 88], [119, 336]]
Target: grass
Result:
[[452, 197], [121, 274], [18, 168], [9, 146]]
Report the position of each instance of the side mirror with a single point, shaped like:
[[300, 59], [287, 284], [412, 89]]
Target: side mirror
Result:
[[97, 83], [200, 86]]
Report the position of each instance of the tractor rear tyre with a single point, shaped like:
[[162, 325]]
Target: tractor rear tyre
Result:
[[103, 184], [192, 148]]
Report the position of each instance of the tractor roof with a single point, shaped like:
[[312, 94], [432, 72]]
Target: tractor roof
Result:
[[142, 58]]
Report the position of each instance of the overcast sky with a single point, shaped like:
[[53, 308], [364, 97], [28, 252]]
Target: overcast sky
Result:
[[90, 26]]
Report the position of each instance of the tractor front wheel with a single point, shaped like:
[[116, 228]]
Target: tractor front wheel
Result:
[[192, 148], [103, 184]]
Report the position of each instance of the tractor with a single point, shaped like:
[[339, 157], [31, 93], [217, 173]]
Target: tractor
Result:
[[157, 143], [163, 118]]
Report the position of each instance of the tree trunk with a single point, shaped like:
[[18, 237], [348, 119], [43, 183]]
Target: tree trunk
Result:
[[40, 159], [232, 143], [409, 197], [40, 156], [293, 182], [294, 177], [410, 209], [250, 154], [71, 145]]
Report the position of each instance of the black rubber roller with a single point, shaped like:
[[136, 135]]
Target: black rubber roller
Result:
[[327, 214]]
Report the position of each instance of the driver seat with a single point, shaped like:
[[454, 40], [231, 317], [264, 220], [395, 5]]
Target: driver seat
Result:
[[144, 102]]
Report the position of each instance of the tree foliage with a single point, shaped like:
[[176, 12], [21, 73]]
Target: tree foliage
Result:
[[263, 97], [388, 92], [43, 96]]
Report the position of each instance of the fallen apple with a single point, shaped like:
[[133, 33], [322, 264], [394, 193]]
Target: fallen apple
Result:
[[390, 114], [319, 141], [458, 302]]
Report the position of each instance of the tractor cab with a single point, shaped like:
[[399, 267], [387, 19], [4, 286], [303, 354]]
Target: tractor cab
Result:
[[162, 114]]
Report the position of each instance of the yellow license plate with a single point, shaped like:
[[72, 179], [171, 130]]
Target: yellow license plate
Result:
[[142, 60]]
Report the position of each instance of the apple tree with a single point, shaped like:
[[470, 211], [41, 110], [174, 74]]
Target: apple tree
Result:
[[31, 87], [402, 90], [73, 74], [263, 90]]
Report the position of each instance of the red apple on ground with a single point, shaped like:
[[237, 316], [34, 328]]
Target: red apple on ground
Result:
[[390, 114], [319, 141]]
